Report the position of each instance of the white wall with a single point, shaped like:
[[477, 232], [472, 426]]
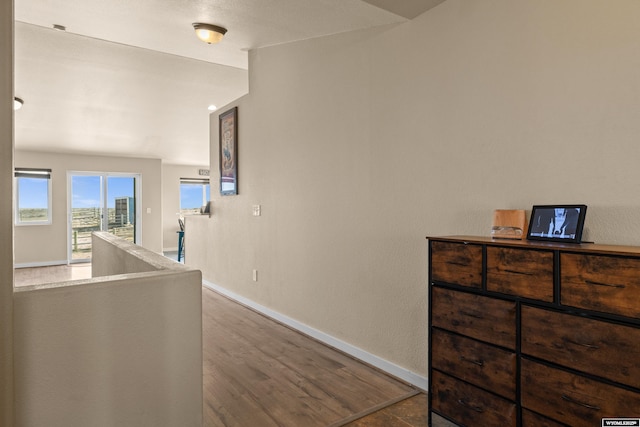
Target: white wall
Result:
[[116, 350], [359, 145], [6, 213], [171, 175], [47, 244]]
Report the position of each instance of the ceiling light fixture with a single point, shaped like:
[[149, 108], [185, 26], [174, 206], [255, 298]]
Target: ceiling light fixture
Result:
[[17, 103], [209, 33]]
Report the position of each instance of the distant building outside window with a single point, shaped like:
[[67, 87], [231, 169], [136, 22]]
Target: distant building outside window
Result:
[[194, 195], [33, 196]]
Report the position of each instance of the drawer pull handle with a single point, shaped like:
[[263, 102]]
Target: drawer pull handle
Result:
[[590, 346], [591, 282], [577, 402], [467, 313], [524, 273], [470, 406], [475, 362]]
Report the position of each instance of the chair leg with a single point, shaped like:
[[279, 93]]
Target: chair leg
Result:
[[180, 245]]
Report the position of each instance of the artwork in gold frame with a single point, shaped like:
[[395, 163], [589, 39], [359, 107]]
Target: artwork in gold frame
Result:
[[228, 128]]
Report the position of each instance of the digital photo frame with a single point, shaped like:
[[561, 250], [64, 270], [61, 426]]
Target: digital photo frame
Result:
[[557, 223]]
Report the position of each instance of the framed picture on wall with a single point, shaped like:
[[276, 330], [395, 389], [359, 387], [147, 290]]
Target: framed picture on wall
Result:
[[558, 223], [228, 128]]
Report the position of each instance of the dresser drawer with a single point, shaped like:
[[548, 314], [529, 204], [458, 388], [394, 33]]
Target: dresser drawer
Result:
[[483, 318], [531, 419], [489, 367], [468, 405], [572, 399], [456, 263], [601, 283], [604, 349], [523, 273]]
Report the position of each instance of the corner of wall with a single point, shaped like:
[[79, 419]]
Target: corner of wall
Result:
[[6, 213]]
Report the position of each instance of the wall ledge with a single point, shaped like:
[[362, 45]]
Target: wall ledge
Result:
[[152, 259], [101, 281], [41, 264]]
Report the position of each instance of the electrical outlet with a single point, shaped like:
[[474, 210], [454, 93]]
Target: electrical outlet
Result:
[[257, 210], [255, 275]]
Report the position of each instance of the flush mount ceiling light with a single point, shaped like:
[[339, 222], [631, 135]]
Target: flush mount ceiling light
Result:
[[17, 103], [209, 33]]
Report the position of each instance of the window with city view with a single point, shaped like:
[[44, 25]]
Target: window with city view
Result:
[[33, 196], [194, 194], [102, 201]]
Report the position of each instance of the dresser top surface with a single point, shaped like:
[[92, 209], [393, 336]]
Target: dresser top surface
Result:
[[529, 244]]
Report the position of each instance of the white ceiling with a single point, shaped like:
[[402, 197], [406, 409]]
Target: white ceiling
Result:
[[131, 79]]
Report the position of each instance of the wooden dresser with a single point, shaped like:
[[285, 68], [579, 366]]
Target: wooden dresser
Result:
[[533, 334]]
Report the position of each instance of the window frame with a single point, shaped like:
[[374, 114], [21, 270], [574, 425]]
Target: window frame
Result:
[[195, 181], [37, 173]]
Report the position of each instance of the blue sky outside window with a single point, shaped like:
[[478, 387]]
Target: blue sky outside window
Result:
[[33, 196], [193, 195]]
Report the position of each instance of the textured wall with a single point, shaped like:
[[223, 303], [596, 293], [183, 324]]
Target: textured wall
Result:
[[119, 350], [359, 145], [6, 213], [171, 175], [113, 255], [30, 248]]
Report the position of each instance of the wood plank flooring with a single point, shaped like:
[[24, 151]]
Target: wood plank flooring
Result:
[[409, 412], [257, 372]]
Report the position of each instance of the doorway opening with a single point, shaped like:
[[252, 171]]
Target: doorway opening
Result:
[[101, 201]]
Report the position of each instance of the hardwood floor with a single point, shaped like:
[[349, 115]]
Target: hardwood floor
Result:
[[409, 412], [258, 372]]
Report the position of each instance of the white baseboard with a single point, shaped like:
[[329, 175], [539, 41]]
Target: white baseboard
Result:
[[40, 264], [410, 377]]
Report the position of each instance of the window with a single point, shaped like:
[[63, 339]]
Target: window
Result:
[[194, 194], [33, 196]]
